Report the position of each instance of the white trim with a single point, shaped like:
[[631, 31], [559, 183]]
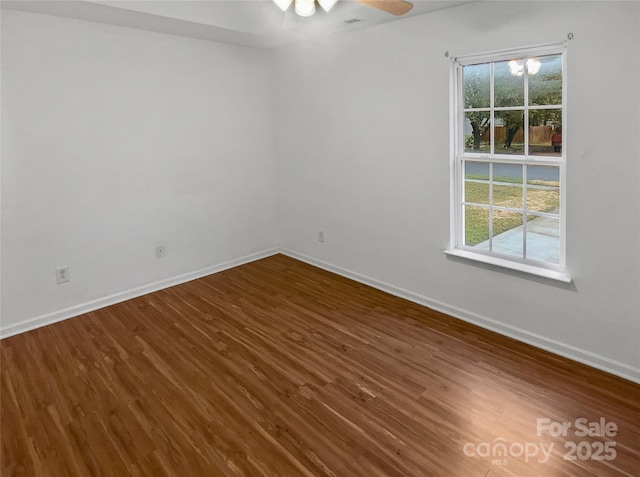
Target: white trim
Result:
[[501, 55], [510, 264], [454, 164], [60, 315], [568, 351], [563, 166], [510, 159]]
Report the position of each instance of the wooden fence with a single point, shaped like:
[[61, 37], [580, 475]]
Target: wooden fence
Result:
[[537, 135]]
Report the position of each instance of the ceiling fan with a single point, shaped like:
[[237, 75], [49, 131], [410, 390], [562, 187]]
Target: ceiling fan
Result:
[[306, 8]]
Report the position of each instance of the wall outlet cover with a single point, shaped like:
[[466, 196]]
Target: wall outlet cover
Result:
[[62, 274]]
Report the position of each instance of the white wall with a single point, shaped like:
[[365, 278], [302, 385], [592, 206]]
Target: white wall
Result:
[[363, 146], [114, 139]]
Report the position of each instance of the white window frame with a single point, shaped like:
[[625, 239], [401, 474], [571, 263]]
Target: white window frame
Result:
[[458, 156]]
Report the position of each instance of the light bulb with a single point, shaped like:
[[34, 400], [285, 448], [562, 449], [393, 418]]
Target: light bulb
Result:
[[516, 68], [305, 8], [533, 66]]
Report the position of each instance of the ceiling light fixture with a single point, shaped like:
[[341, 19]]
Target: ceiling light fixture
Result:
[[305, 8]]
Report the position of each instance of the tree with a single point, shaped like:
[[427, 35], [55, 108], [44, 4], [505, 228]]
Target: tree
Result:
[[477, 95], [513, 121], [480, 123]]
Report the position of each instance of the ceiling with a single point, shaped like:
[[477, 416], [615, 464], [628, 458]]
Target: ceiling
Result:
[[255, 23]]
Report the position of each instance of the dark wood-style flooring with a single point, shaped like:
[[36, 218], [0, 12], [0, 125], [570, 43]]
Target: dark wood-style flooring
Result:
[[277, 368]]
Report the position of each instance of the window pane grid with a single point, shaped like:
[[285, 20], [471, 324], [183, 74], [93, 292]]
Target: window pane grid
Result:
[[510, 159], [510, 193], [522, 228]]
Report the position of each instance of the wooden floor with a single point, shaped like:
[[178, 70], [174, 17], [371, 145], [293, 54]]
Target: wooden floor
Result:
[[279, 368]]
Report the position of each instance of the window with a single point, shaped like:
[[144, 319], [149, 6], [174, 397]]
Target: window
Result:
[[508, 160]]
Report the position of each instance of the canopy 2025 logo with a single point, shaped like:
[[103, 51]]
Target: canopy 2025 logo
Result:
[[499, 450]]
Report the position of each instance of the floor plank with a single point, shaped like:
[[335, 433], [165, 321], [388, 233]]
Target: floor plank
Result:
[[277, 368]]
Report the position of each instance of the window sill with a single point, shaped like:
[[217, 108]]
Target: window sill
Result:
[[521, 267]]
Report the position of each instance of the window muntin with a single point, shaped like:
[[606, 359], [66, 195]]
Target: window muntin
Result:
[[509, 171]]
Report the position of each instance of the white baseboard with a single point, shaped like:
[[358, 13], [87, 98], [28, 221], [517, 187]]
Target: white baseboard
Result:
[[568, 351], [54, 317]]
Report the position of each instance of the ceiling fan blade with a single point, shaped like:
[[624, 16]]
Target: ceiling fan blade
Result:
[[395, 7]]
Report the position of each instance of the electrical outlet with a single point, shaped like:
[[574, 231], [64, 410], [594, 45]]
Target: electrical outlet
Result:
[[320, 236], [62, 274], [161, 251]]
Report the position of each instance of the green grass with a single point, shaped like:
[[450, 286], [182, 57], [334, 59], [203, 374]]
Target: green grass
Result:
[[477, 224], [477, 218]]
